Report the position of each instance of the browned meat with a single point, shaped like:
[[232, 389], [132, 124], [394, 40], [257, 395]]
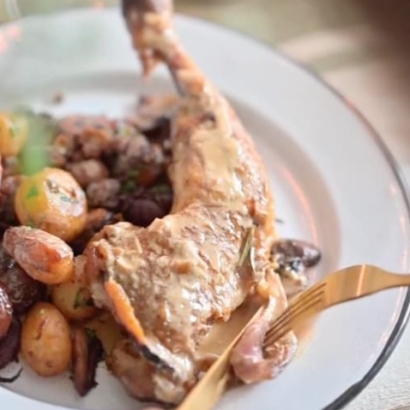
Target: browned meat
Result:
[[168, 283]]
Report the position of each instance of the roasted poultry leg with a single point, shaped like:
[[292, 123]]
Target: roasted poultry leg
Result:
[[169, 283]]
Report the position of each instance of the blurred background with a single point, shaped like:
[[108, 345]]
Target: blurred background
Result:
[[362, 49]]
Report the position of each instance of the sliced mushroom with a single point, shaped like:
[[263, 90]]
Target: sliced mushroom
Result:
[[87, 352]]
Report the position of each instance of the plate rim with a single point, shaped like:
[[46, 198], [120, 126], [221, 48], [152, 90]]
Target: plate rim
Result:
[[355, 389], [402, 320]]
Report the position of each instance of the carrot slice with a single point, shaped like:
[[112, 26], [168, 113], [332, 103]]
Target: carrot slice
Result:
[[124, 310]]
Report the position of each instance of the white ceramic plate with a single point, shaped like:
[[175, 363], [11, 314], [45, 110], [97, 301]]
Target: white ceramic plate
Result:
[[335, 184]]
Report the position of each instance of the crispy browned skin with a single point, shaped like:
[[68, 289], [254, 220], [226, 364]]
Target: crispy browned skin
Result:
[[168, 283]]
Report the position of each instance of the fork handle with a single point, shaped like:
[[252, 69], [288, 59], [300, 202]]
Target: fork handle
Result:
[[386, 280], [372, 280], [392, 280]]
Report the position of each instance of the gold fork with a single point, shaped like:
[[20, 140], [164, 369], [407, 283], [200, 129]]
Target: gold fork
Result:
[[341, 286]]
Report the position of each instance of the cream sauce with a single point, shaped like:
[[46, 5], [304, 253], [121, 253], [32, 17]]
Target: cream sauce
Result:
[[220, 157], [223, 333], [304, 333]]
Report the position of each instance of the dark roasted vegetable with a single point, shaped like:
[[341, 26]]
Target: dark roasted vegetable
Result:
[[96, 220], [294, 256], [10, 344], [87, 352], [163, 196], [23, 290], [6, 312], [144, 205], [142, 212], [160, 131]]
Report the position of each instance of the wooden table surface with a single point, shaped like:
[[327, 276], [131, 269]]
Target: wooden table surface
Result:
[[362, 48]]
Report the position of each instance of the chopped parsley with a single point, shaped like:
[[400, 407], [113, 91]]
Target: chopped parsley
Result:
[[33, 192], [162, 188], [128, 187], [133, 174], [80, 300], [246, 253], [91, 334], [35, 154], [13, 131], [31, 223]]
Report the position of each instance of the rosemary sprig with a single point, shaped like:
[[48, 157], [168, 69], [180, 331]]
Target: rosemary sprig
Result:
[[246, 253]]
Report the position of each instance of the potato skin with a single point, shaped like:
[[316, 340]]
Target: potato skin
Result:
[[13, 133], [53, 201], [73, 300], [44, 257], [46, 340]]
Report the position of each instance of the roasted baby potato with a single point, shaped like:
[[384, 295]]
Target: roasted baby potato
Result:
[[13, 133], [46, 340], [53, 201], [41, 255], [73, 300]]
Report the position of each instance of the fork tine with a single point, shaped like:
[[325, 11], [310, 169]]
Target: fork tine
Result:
[[282, 325], [294, 307], [286, 326]]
